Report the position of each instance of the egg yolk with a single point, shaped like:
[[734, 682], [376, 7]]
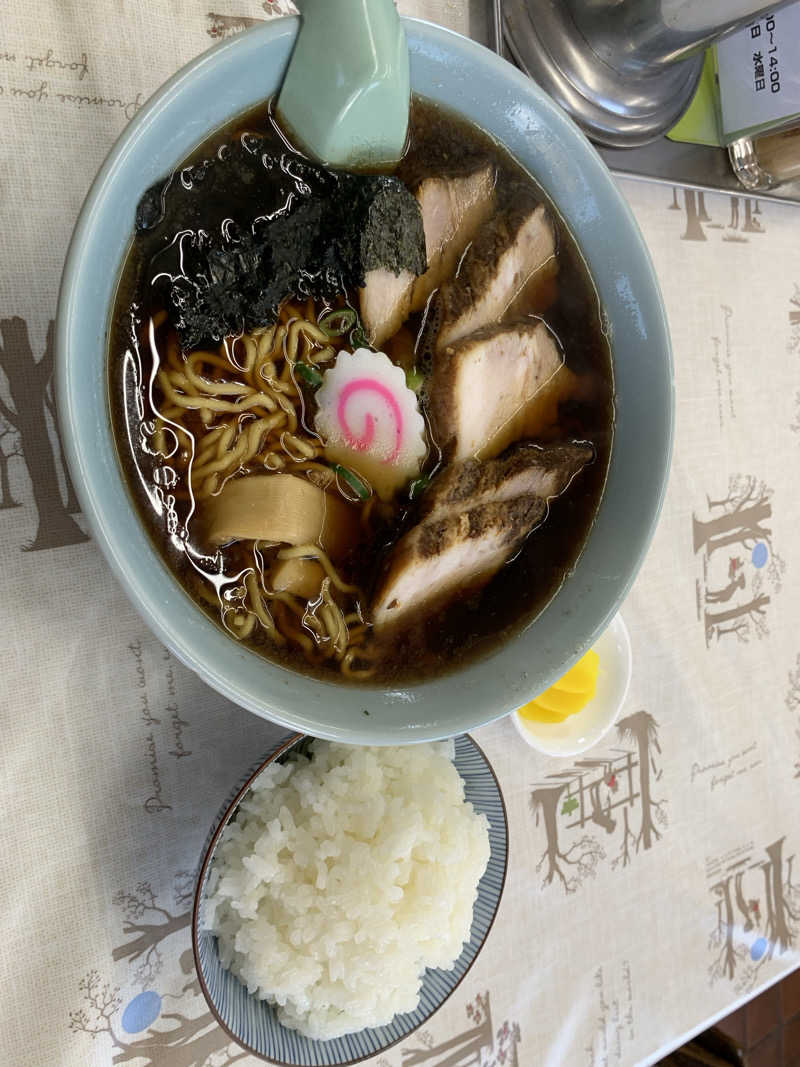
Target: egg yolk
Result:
[[569, 695]]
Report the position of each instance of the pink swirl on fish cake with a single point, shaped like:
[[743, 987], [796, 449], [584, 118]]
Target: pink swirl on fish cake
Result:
[[363, 442]]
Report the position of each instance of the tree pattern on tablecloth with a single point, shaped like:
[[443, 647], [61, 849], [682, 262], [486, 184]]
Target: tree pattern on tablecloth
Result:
[[27, 411], [793, 347], [480, 1045], [757, 915], [741, 571], [793, 704], [221, 26], [143, 949], [744, 216], [604, 791], [794, 321], [10, 448], [140, 1028], [185, 1041]]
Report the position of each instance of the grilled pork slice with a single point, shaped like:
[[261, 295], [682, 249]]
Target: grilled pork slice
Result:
[[494, 387], [453, 209], [476, 516], [506, 254], [451, 555], [525, 469], [385, 303]]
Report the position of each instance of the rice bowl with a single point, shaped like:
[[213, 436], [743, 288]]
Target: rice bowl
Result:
[[253, 1023], [342, 878]]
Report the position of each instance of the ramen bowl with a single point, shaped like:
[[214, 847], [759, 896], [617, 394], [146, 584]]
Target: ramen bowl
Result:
[[253, 1023], [474, 83]]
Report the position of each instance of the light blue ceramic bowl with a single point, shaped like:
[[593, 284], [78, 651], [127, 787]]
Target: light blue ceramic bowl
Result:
[[468, 79], [253, 1023]]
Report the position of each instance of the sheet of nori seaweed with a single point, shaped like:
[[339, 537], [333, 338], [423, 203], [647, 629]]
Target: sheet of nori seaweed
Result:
[[229, 238]]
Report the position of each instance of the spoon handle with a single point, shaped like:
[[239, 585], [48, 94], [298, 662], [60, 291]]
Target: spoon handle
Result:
[[346, 93]]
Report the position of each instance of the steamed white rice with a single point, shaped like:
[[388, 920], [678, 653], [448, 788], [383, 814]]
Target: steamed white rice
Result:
[[343, 878]]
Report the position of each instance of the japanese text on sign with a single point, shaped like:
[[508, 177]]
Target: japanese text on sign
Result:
[[772, 53], [759, 72]]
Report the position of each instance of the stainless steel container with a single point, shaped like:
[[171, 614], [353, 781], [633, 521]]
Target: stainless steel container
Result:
[[624, 69]]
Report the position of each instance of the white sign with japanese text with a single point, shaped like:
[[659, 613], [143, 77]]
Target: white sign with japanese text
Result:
[[759, 72]]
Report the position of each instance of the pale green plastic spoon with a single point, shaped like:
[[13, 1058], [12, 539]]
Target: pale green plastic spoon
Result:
[[345, 97]]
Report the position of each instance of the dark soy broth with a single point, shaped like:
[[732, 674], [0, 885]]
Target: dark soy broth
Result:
[[471, 626]]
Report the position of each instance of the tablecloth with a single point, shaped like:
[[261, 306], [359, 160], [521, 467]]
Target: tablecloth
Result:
[[651, 883]]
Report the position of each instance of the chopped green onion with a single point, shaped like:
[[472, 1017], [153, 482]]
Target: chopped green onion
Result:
[[310, 375], [338, 322], [414, 379], [419, 485], [361, 489], [358, 339]]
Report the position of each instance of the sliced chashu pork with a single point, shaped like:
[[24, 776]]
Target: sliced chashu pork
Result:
[[478, 516], [495, 386], [450, 555], [505, 257], [525, 469], [453, 209], [385, 303]]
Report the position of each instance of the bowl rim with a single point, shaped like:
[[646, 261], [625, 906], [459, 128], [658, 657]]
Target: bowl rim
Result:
[[290, 698], [210, 848]]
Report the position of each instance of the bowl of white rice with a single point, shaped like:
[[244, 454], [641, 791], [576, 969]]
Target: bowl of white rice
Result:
[[344, 894]]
